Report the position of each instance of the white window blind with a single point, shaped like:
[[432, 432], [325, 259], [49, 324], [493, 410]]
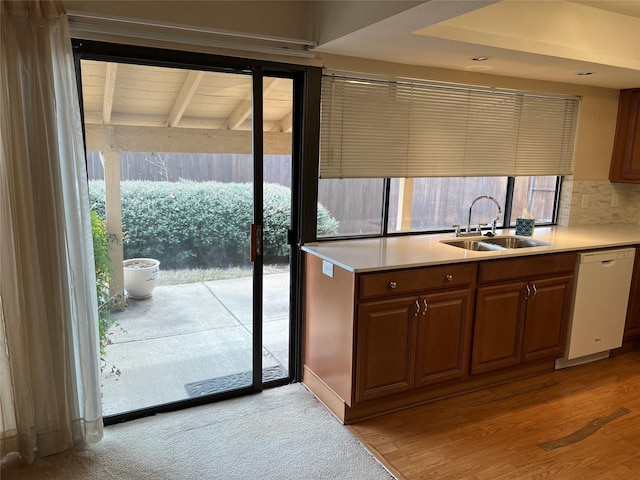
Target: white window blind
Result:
[[376, 129]]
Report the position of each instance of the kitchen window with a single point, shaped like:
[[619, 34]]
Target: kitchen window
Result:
[[375, 207], [403, 155]]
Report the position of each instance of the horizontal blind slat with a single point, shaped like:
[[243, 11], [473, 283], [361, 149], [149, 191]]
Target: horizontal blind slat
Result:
[[373, 129]]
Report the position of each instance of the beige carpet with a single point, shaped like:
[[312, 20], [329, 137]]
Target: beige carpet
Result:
[[282, 433]]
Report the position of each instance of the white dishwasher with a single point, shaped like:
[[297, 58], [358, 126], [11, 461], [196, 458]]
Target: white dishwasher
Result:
[[601, 294]]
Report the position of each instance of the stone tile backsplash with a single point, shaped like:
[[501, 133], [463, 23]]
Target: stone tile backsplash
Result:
[[598, 202]]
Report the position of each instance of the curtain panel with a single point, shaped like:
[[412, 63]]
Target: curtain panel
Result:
[[49, 356]]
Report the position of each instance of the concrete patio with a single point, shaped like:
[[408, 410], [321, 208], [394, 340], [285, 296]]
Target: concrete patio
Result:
[[191, 333]]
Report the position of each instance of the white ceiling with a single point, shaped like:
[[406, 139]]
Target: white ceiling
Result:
[[538, 39]]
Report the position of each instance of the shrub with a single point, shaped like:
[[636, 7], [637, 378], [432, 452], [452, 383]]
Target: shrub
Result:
[[104, 271], [201, 224]]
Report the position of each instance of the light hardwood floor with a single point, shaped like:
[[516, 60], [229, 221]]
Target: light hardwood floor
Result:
[[578, 423]]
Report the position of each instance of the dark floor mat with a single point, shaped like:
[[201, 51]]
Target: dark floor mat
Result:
[[232, 382]]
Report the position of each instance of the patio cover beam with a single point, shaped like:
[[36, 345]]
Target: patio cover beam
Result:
[[244, 108], [109, 90], [286, 124], [186, 94], [181, 140]]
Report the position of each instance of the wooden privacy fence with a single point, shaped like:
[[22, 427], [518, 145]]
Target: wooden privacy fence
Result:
[[357, 203], [173, 167], [438, 203]]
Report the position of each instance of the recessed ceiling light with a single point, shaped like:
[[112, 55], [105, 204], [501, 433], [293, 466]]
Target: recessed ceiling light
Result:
[[480, 59], [585, 74]]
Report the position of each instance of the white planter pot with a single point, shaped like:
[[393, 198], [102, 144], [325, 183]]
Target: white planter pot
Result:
[[141, 275]]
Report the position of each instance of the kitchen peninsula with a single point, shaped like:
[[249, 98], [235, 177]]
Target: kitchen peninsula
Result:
[[394, 322]]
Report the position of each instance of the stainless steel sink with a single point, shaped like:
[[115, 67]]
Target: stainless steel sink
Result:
[[468, 244], [506, 242], [516, 242]]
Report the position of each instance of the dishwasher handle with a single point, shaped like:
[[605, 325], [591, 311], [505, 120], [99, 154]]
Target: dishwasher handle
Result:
[[606, 257], [607, 263]]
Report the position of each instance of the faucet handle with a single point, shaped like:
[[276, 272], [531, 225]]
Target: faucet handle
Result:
[[457, 229], [493, 225]]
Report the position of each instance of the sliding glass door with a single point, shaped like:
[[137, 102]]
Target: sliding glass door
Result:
[[190, 178]]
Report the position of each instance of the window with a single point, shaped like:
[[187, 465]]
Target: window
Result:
[[357, 204], [401, 155], [399, 128], [539, 195], [433, 204], [439, 203]]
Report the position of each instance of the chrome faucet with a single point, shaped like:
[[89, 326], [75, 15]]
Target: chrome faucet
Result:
[[477, 230]]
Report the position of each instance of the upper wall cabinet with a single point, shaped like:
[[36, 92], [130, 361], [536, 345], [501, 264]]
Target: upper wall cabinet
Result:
[[625, 162]]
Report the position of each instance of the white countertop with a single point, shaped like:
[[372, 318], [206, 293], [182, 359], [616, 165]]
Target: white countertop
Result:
[[406, 251]]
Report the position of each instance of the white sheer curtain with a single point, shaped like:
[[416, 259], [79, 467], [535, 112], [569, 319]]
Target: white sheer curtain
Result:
[[49, 357]]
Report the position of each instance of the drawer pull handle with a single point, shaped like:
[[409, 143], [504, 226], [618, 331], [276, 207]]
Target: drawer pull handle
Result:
[[417, 308], [393, 284], [448, 277], [426, 306]]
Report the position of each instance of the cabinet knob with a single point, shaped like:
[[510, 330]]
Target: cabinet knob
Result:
[[393, 284], [448, 277]]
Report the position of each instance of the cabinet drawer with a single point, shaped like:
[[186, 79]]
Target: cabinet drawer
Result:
[[416, 280], [526, 267]]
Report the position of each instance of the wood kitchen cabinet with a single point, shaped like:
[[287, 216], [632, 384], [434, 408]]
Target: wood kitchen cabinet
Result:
[[443, 337], [384, 347], [521, 314], [497, 337], [625, 160], [412, 342], [379, 341], [546, 317], [400, 340], [632, 324]]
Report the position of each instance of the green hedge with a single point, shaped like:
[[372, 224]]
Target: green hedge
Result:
[[201, 224]]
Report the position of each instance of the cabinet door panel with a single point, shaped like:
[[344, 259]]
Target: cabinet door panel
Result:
[[632, 325], [497, 336], [384, 361], [545, 320], [625, 160], [443, 336]]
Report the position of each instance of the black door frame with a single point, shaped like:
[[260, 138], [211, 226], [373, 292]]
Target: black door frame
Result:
[[306, 117]]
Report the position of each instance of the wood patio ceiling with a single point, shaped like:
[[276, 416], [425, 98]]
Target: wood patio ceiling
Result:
[[136, 100]]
